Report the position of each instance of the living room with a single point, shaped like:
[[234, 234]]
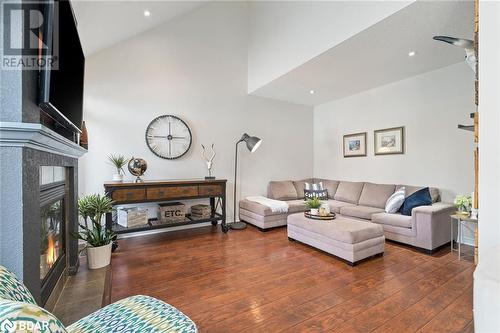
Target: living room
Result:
[[251, 166]]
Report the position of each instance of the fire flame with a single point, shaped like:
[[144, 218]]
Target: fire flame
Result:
[[51, 251]]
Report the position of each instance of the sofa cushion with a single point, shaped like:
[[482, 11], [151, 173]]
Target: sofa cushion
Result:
[[349, 191], [396, 220], [296, 206], [282, 190], [412, 189], [376, 195], [335, 205], [300, 185], [362, 212], [420, 198], [330, 185]]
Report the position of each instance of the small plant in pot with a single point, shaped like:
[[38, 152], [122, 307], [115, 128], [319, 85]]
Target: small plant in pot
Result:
[[118, 161], [313, 205], [99, 240], [463, 204]]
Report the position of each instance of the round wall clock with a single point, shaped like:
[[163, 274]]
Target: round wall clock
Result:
[[168, 137]]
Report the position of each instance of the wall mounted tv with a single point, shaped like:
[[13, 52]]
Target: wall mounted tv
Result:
[[61, 87]]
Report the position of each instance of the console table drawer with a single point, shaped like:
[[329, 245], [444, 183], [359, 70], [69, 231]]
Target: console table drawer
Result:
[[156, 193], [210, 190], [129, 195]]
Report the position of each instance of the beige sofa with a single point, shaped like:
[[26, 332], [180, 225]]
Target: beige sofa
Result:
[[427, 228]]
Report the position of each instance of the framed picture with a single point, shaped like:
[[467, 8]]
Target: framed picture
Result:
[[390, 141], [355, 145]]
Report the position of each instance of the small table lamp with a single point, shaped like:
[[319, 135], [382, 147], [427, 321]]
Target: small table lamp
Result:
[[253, 144]]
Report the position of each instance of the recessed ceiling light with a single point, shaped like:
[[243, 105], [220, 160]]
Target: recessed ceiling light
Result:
[[412, 53], [147, 13], [311, 92]]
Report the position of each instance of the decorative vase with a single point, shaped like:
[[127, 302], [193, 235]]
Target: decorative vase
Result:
[[117, 177], [84, 141], [98, 257], [314, 211]]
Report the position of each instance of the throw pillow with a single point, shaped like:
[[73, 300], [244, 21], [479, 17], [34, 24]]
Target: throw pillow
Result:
[[319, 194], [315, 186], [395, 201], [420, 198]]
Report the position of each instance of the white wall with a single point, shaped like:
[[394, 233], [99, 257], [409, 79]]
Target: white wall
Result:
[[429, 106], [285, 34], [194, 67], [489, 129]]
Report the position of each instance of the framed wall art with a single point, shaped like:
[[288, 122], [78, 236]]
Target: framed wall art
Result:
[[389, 141], [355, 145]]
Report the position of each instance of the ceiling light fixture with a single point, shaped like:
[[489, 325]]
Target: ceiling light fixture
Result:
[[147, 13], [311, 92], [412, 53]]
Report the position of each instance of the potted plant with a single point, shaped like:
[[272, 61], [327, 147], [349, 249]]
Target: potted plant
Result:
[[99, 240], [313, 205], [118, 161], [463, 204]]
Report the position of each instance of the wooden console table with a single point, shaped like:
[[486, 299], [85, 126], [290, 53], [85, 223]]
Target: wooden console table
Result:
[[164, 191]]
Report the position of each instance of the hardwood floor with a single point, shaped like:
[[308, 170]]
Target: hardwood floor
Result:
[[249, 281]]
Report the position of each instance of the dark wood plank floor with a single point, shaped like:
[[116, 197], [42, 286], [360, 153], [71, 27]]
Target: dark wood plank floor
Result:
[[249, 281]]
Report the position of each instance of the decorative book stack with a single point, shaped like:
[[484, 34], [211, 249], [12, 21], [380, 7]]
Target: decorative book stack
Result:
[[201, 212]]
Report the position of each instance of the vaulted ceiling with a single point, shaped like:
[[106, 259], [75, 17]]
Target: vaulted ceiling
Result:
[[103, 23], [379, 55], [375, 56]]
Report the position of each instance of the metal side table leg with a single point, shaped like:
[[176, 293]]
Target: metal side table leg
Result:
[[459, 238]]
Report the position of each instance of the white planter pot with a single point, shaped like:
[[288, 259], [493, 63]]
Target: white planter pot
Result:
[[98, 257], [117, 177], [314, 211]]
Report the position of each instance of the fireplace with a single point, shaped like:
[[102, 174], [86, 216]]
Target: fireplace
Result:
[[53, 228]]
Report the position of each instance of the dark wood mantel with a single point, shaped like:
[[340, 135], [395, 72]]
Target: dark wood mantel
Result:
[[169, 190]]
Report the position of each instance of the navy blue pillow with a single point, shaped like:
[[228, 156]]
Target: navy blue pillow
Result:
[[420, 198]]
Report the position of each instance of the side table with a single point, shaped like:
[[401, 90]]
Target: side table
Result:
[[462, 221]]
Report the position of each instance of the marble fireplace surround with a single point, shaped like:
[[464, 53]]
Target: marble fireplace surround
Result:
[[24, 147]]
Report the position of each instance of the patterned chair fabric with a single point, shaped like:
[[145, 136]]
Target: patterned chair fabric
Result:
[[26, 317], [135, 314], [19, 310], [12, 289]]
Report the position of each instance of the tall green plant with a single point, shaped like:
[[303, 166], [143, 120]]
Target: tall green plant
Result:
[[93, 207], [118, 161]]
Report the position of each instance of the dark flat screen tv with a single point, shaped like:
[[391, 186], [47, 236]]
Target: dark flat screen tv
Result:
[[61, 87]]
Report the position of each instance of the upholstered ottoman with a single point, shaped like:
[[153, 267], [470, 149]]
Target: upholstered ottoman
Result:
[[348, 239]]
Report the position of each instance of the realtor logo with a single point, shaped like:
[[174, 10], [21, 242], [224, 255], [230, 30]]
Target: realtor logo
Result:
[[9, 326], [30, 37]]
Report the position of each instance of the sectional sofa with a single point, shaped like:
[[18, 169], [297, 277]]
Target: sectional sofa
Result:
[[427, 228]]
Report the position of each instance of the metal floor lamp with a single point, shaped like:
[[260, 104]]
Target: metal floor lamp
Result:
[[253, 144]]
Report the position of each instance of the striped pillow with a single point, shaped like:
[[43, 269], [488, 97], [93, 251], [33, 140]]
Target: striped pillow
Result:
[[315, 187], [395, 201]]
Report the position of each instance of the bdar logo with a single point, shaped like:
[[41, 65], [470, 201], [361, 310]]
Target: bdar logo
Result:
[[7, 326]]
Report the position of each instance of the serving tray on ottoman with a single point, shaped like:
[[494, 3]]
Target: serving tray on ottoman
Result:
[[349, 239]]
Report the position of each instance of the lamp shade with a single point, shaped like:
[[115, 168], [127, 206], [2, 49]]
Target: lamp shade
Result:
[[252, 142]]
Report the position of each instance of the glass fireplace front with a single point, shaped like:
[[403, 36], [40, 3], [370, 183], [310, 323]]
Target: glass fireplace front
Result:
[[51, 236]]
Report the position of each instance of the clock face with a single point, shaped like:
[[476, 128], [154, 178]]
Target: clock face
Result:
[[168, 137]]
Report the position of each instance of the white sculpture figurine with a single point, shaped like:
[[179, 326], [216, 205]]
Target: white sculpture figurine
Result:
[[209, 161]]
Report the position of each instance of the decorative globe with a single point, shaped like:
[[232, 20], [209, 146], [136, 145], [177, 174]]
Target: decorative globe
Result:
[[137, 167]]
